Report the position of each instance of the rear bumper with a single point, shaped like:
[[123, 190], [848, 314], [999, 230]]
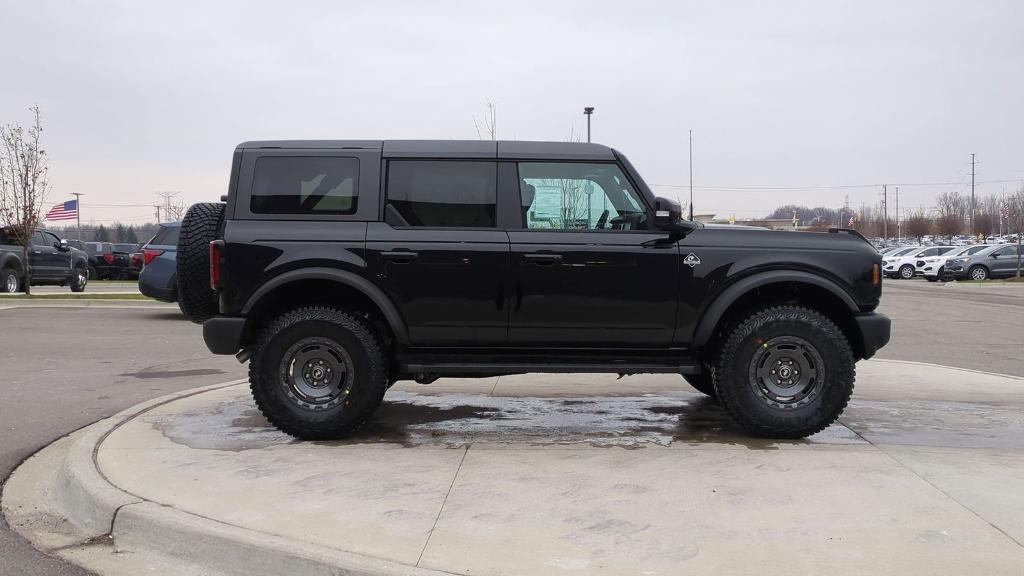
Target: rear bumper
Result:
[[223, 334], [161, 294], [875, 330]]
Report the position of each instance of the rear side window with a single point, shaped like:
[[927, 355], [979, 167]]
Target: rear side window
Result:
[[167, 236], [442, 193], [305, 185]]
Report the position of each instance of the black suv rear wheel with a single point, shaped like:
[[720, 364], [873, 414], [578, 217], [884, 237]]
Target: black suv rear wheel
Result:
[[318, 373], [198, 302], [785, 372]]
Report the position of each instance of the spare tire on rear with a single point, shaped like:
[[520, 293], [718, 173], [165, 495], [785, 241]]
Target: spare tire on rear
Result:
[[200, 227]]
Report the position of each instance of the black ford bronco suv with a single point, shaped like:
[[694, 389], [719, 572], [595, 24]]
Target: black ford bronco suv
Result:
[[340, 267]]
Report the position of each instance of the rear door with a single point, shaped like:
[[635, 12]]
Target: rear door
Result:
[[589, 268], [439, 254]]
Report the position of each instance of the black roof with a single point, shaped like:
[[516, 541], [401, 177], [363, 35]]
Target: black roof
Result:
[[511, 149]]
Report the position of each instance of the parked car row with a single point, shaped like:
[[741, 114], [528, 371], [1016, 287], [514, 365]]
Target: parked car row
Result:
[[109, 260], [934, 263]]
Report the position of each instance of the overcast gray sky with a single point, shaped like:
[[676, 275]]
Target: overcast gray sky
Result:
[[140, 97]]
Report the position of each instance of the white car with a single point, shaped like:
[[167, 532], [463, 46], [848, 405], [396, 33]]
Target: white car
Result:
[[934, 266], [904, 264]]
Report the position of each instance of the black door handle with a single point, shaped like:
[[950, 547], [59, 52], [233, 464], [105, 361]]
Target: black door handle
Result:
[[399, 256], [542, 259]]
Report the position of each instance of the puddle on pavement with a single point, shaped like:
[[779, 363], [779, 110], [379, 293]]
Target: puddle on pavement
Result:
[[455, 420]]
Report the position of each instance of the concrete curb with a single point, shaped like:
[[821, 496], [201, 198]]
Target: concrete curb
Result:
[[83, 494], [138, 526], [223, 548]]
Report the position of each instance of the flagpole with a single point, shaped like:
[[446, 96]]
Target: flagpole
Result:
[[78, 212]]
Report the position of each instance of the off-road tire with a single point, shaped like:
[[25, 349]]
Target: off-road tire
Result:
[[79, 279], [978, 272], [703, 382], [906, 272], [5, 275], [277, 400], [200, 227], [738, 390]]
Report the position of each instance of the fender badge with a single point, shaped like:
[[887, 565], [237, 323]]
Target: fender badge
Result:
[[691, 260]]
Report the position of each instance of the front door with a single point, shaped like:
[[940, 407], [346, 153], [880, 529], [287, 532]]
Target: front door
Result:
[[1004, 262], [589, 269], [44, 254], [439, 254]]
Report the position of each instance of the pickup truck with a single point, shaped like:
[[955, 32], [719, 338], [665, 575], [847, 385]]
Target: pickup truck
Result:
[[52, 262]]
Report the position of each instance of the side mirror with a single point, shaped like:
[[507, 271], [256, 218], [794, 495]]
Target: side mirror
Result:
[[668, 216], [62, 245]]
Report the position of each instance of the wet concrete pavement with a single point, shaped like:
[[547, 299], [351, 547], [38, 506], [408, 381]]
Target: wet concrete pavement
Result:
[[531, 474]]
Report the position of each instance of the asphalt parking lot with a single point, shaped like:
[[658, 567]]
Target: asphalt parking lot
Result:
[[65, 368]]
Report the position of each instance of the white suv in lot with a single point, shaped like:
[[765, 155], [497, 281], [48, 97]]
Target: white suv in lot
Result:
[[904, 264], [934, 266]]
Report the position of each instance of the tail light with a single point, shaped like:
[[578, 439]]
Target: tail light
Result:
[[876, 274], [109, 257], [216, 248], [148, 254]]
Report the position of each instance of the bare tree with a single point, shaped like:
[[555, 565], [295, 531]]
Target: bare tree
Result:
[[917, 225], [489, 122], [1015, 220], [953, 209], [24, 184], [175, 210]]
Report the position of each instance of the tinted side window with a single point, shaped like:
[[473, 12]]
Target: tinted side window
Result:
[[39, 240], [304, 185], [442, 193]]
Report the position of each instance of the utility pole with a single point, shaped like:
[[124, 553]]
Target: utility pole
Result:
[[972, 194], [691, 175], [885, 214], [899, 234], [78, 212], [157, 206], [588, 111]]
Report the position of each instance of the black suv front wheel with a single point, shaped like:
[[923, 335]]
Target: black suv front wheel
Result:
[[318, 373], [785, 372]]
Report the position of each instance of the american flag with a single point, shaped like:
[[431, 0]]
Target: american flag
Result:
[[63, 211]]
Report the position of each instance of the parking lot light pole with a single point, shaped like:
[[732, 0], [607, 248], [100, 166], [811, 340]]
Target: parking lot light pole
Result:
[[588, 111]]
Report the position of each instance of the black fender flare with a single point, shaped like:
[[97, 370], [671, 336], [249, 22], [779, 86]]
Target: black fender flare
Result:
[[714, 312], [350, 279], [11, 260]]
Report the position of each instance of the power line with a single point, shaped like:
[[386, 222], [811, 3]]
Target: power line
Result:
[[834, 187]]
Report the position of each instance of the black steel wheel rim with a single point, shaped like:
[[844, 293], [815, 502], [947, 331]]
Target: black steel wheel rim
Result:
[[786, 372], [317, 373]]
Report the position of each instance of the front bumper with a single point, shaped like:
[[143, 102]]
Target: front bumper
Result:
[[875, 330], [223, 334]]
